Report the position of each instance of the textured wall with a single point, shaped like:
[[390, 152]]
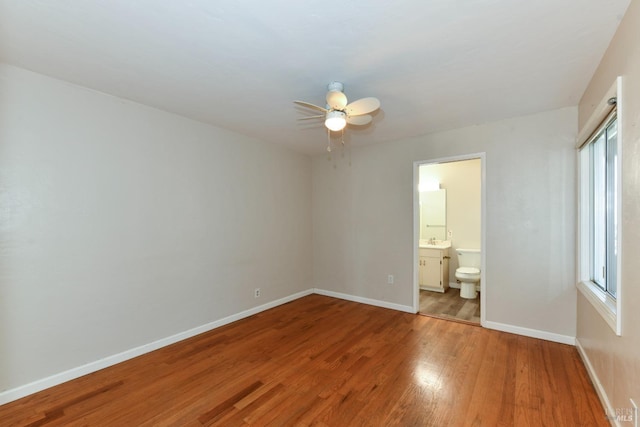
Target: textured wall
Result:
[[121, 225], [616, 360], [363, 218]]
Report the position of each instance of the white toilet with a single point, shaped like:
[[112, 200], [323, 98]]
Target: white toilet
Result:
[[468, 272]]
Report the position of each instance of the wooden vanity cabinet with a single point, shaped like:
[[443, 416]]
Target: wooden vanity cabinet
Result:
[[434, 269]]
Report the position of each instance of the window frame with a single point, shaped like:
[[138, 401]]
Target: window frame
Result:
[[608, 307]]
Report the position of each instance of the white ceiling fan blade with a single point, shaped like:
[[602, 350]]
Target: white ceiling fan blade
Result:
[[336, 99], [362, 106], [315, 107], [312, 117], [359, 120]]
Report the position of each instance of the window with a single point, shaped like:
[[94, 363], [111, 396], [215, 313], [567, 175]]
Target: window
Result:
[[599, 220], [603, 191]]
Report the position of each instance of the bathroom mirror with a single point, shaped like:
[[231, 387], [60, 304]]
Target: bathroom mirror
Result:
[[433, 215]]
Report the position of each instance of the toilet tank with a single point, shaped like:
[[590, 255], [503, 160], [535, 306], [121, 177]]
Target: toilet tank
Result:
[[468, 257]]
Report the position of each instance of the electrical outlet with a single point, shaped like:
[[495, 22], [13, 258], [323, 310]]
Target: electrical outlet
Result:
[[635, 412], [256, 293], [390, 279]]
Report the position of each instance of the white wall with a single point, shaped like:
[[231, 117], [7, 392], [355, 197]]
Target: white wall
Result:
[[616, 360], [363, 218], [463, 182], [121, 224]]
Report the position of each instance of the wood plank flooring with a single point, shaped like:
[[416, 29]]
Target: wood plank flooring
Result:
[[450, 305], [319, 361]]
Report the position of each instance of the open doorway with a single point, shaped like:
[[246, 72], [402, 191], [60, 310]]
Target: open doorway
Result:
[[448, 232]]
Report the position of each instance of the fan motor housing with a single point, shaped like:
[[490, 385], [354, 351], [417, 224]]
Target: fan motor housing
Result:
[[335, 86]]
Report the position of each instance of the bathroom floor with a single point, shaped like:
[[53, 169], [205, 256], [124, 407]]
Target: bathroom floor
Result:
[[450, 305]]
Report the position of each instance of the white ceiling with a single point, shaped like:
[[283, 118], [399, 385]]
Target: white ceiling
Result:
[[434, 64]]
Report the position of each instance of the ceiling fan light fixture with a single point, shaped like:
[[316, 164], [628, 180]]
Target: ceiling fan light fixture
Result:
[[335, 120]]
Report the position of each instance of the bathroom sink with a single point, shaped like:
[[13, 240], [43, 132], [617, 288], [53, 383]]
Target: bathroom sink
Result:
[[438, 244]]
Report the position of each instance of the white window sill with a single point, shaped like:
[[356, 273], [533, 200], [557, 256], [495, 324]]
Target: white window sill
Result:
[[602, 302]]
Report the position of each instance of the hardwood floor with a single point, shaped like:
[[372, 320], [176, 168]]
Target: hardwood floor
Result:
[[327, 362], [450, 305]]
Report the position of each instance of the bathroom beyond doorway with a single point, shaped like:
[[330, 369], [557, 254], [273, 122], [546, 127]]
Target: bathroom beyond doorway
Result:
[[462, 227]]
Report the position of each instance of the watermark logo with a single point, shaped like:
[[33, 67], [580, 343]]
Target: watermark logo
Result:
[[621, 415]]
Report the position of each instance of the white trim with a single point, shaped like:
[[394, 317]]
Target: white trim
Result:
[[483, 226], [533, 333], [416, 237], [483, 240], [601, 301], [363, 300], [53, 380], [620, 144], [56, 379], [608, 308], [596, 383]]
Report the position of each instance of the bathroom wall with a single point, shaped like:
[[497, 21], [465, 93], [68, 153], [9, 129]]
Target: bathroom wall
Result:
[[463, 182], [363, 218], [121, 225], [616, 359]]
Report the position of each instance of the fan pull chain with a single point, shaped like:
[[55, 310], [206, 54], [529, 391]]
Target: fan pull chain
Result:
[[328, 141]]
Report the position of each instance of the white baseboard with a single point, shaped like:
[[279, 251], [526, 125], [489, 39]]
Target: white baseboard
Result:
[[42, 384], [533, 333], [596, 383], [369, 301]]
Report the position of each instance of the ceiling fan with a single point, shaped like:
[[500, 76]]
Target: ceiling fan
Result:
[[337, 113]]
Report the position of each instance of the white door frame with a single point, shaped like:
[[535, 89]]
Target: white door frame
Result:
[[483, 228]]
